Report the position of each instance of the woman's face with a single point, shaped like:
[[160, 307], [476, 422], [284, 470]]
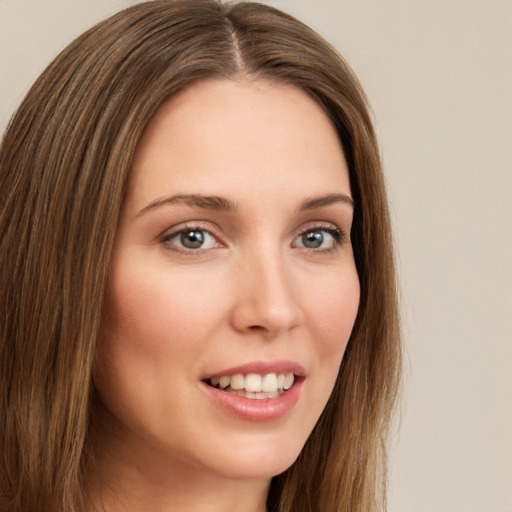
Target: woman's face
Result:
[[232, 268]]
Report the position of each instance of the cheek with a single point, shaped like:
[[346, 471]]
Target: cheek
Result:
[[332, 315], [333, 311], [332, 307], [158, 311], [151, 331], [153, 334]]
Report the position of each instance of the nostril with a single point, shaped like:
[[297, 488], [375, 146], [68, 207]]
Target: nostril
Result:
[[257, 328]]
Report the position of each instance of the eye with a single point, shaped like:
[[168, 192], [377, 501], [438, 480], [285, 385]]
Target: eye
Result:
[[319, 238], [191, 239]]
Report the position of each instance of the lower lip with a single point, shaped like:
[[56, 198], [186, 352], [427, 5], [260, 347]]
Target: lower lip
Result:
[[266, 409]]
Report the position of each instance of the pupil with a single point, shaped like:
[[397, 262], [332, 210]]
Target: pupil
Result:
[[313, 239], [192, 239]]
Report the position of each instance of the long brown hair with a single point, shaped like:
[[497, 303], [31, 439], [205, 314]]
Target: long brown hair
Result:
[[64, 161]]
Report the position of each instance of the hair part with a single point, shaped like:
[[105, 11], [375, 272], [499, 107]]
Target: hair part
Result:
[[64, 162]]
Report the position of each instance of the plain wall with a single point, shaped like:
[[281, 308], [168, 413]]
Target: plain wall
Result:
[[439, 76]]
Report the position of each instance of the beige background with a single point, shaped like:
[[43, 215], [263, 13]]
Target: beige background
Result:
[[439, 75]]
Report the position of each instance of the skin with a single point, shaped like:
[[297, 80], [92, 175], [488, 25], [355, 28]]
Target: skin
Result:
[[252, 292]]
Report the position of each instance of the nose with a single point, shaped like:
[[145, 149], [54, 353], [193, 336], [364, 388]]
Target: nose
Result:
[[266, 297]]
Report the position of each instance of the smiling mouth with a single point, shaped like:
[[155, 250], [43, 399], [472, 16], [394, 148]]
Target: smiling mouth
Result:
[[254, 385]]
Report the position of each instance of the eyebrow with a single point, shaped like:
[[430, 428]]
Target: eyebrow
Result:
[[214, 203], [217, 203], [326, 200]]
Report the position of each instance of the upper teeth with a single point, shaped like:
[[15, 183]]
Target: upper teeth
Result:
[[254, 382]]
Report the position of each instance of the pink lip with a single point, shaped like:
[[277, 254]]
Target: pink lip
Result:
[[267, 409], [263, 368]]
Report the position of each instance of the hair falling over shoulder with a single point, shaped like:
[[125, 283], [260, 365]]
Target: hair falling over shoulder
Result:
[[64, 161]]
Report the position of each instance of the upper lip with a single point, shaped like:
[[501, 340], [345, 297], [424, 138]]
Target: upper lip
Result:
[[261, 368]]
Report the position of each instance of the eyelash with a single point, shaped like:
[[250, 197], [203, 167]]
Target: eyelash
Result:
[[337, 235], [188, 228]]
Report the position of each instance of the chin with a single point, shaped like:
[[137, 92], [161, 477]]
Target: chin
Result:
[[257, 459]]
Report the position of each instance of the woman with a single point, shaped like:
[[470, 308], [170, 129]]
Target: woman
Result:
[[198, 295]]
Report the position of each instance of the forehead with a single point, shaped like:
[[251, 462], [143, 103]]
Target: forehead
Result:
[[236, 135]]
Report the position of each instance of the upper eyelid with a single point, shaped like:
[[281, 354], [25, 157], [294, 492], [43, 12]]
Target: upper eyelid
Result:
[[340, 234], [171, 233], [197, 225], [329, 227], [312, 225]]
